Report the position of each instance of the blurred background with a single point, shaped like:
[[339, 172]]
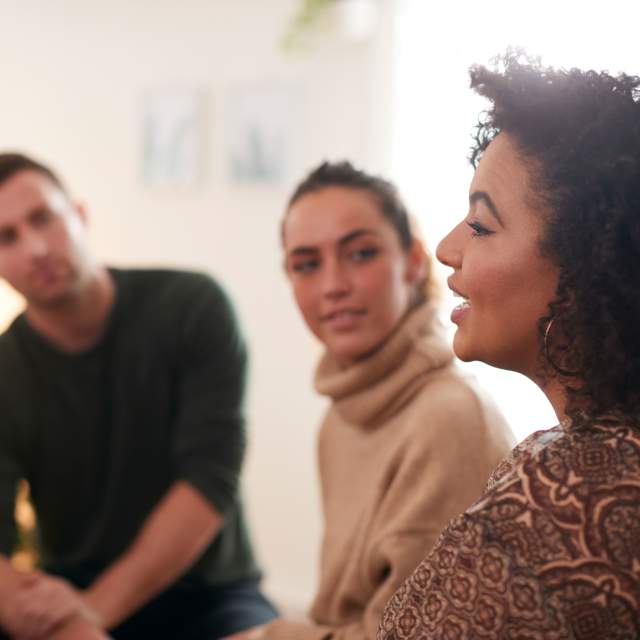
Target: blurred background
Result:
[[183, 127]]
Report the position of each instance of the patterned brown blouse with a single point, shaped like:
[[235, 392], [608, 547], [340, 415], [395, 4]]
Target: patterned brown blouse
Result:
[[551, 551]]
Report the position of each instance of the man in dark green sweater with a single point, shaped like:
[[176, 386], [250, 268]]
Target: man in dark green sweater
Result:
[[121, 403]]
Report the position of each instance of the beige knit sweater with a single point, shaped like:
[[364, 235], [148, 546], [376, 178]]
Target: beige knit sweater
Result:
[[407, 444]]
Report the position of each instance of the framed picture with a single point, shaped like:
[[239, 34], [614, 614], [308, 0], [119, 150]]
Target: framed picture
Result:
[[173, 138], [261, 124]]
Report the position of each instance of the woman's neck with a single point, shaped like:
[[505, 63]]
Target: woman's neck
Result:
[[557, 395]]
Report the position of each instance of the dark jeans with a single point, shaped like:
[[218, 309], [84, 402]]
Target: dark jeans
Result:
[[199, 613]]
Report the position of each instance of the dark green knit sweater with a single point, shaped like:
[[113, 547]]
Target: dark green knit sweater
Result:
[[101, 435]]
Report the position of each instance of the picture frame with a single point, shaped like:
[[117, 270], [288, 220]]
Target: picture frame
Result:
[[173, 137], [261, 131]]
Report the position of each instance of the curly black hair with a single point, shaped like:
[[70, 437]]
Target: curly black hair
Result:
[[579, 133]]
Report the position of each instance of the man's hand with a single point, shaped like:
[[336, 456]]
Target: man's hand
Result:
[[42, 604], [254, 633]]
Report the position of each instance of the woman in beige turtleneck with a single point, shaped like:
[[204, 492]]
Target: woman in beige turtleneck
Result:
[[408, 441]]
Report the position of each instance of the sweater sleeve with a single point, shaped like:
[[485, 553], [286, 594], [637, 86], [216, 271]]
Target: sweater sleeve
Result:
[[9, 477], [209, 437], [11, 463]]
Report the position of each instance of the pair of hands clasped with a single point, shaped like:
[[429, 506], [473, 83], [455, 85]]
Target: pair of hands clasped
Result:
[[42, 604]]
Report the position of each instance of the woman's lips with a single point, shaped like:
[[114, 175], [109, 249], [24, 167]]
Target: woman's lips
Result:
[[458, 314], [343, 319], [462, 309]]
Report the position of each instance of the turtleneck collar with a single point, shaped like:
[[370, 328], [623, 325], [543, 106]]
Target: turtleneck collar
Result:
[[373, 388]]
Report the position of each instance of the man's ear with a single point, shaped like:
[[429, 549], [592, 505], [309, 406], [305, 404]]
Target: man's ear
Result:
[[82, 212]]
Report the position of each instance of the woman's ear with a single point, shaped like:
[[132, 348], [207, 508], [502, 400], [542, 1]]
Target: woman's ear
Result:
[[417, 262]]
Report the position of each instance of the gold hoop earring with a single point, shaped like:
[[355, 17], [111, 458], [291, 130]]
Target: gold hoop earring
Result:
[[547, 352], [545, 341]]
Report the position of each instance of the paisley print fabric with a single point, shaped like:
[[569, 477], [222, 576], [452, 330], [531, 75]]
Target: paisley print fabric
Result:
[[551, 551]]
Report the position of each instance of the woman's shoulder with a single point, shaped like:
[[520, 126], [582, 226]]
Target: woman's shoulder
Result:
[[451, 400], [523, 450], [448, 388], [593, 467], [570, 494], [588, 455]]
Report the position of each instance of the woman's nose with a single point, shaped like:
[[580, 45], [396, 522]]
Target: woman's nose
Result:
[[335, 282], [448, 251]]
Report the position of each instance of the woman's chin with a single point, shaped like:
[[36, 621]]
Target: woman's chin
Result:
[[346, 353], [349, 348], [462, 349]]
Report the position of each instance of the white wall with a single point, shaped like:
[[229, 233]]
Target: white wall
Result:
[[72, 75]]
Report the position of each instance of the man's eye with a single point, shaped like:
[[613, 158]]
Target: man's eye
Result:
[[7, 236], [361, 255], [42, 216], [478, 229]]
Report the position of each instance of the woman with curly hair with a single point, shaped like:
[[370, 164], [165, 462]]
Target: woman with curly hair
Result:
[[547, 262]]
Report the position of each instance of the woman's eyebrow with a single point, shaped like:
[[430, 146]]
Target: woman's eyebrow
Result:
[[344, 240], [302, 251], [483, 196], [356, 233]]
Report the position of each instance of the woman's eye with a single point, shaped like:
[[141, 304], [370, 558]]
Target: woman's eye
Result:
[[478, 229], [361, 255], [304, 266]]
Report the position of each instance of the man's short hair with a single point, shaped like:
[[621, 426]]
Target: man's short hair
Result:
[[13, 163]]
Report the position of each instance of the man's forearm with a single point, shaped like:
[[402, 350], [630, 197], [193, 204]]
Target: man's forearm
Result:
[[172, 538], [77, 628]]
